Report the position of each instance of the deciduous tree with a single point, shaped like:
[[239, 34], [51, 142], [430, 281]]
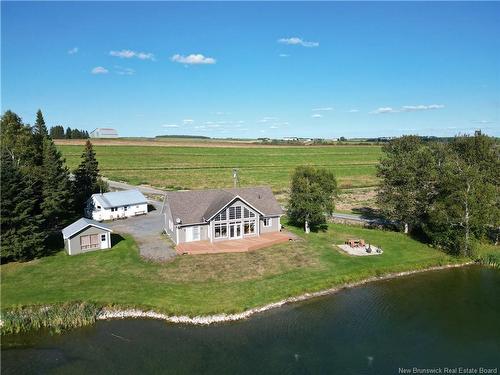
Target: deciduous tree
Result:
[[407, 179], [312, 194]]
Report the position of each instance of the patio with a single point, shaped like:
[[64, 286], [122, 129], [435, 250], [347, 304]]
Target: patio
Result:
[[361, 251], [234, 246]]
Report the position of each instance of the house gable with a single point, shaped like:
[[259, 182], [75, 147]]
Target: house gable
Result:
[[231, 203], [200, 206]]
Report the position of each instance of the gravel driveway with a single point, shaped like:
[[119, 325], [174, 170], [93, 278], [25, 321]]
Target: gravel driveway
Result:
[[147, 232]]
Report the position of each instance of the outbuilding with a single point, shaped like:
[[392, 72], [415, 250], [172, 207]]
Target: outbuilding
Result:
[[104, 133], [86, 235], [116, 205]]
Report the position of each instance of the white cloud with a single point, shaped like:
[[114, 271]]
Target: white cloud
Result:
[[193, 59], [145, 56], [99, 70], [384, 110], [273, 127], [267, 119], [413, 108], [73, 50], [483, 122], [317, 115], [297, 42], [124, 71], [128, 54], [170, 126], [284, 55], [323, 109], [408, 108], [187, 121], [353, 110]]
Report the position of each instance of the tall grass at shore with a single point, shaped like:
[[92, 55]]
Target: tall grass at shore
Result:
[[489, 255], [491, 260], [53, 317]]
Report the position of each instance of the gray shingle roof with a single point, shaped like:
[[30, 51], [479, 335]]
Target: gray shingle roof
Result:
[[120, 198], [80, 225], [196, 206]]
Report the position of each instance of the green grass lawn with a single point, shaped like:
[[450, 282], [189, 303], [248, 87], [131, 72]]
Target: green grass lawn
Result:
[[211, 167], [208, 284]]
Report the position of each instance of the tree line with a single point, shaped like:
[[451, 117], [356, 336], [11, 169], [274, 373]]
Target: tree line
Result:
[[444, 192], [39, 195], [58, 132]]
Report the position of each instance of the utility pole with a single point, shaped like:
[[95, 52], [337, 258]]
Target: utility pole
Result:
[[235, 178]]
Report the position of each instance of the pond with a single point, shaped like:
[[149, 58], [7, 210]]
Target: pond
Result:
[[447, 318]]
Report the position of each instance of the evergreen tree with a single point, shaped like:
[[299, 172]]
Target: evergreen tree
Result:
[[311, 196], [87, 180], [22, 236], [57, 202], [40, 128], [39, 134], [57, 132], [68, 133]]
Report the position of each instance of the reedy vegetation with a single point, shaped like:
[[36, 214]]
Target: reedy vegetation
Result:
[[53, 317]]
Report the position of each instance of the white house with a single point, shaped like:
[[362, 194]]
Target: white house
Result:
[[116, 205], [104, 133]]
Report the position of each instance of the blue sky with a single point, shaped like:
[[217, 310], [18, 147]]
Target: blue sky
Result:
[[225, 69]]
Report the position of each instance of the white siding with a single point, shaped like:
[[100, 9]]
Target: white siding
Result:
[[100, 214]]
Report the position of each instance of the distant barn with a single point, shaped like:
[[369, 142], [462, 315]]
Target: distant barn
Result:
[[104, 133]]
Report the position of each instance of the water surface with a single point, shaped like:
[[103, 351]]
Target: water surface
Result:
[[444, 318]]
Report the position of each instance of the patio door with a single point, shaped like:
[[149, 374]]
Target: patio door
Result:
[[234, 230], [192, 234]]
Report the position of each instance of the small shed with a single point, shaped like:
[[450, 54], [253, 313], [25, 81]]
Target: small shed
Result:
[[86, 235]]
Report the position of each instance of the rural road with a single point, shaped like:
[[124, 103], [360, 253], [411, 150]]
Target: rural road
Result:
[[350, 217], [361, 219], [155, 191], [142, 188]]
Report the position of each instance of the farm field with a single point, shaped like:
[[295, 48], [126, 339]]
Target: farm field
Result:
[[188, 167]]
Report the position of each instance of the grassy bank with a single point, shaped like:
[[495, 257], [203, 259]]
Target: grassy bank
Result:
[[211, 167], [209, 284]]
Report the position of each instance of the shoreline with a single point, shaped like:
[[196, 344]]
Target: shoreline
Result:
[[111, 314]]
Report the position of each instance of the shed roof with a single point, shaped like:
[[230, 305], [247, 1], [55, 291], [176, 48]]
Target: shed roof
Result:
[[196, 206], [120, 198], [105, 130], [82, 224]]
